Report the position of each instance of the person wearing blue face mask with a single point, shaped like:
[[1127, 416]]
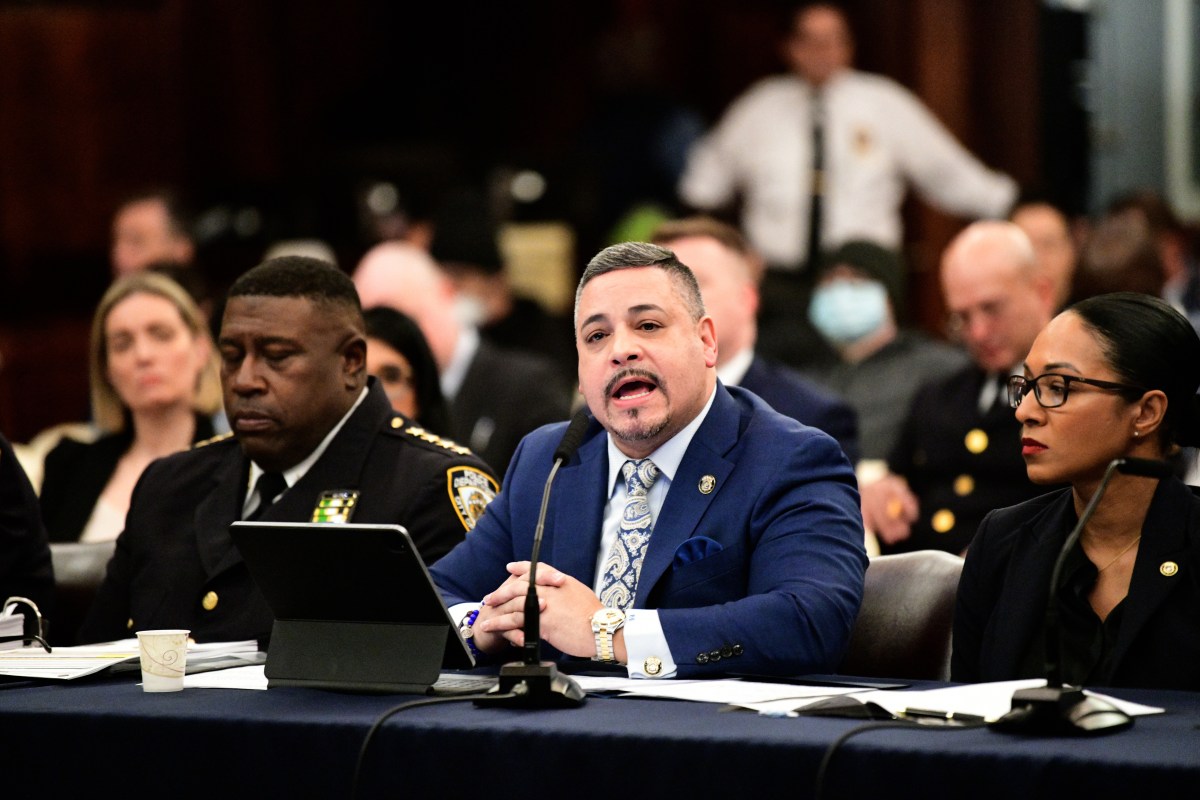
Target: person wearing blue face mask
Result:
[[726, 268], [847, 308], [854, 308]]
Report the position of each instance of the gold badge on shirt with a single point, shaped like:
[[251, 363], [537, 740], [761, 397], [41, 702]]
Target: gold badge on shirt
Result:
[[335, 505], [864, 142], [470, 490]]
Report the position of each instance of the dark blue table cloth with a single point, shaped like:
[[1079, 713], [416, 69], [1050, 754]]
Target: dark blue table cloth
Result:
[[67, 739]]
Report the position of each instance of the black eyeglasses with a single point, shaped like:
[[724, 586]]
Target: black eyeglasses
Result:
[[1051, 389]]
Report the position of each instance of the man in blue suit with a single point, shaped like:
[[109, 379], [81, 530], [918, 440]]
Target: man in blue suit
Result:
[[755, 556], [726, 268]]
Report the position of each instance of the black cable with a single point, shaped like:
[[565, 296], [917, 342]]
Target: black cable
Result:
[[24, 639], [823, 769], [391, 712]]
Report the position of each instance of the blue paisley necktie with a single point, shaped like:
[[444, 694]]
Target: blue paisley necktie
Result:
[[624, 562]]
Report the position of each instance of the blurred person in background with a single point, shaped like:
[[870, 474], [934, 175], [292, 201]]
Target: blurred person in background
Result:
[[879, 365], [399, 356], [1180, 278], [465, 246], [1054, 247], [149, 227], [824, 155], [1121, 255], [727, 271], [957, 458], [496, 395], [154, 387]]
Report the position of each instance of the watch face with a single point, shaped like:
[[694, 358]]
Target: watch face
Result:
[[607, 616]]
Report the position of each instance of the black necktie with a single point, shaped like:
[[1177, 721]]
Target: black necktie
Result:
[[816, 187], [270, 485]]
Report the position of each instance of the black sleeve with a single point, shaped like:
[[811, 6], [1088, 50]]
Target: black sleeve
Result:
[[107, 620], [25, 566], [58, 500], [973, 606]]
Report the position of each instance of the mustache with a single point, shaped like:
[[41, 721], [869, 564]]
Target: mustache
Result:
[[632, 372]]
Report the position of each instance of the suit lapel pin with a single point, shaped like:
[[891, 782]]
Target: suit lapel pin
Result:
[[707, 484], [1168, 568]]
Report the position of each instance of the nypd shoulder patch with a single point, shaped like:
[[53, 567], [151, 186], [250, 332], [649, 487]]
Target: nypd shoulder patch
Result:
[[470, 490]]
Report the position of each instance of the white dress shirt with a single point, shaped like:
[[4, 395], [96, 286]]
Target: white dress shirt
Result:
[[878, 139], [733, 370], [643, 632], [290, 476], [452, 376]]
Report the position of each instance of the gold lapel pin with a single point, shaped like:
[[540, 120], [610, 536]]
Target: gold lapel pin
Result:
[[1168, 568], [707, 484]]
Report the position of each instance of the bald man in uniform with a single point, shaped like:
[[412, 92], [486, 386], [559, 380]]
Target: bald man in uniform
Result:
[[959, 452]]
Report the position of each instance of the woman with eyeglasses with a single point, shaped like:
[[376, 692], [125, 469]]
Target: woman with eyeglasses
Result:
[[400, 358], [1113, 376]]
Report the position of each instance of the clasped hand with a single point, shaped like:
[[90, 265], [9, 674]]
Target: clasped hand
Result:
[[566, 607]]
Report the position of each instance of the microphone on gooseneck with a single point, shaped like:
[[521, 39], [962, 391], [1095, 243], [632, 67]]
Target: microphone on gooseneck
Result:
[[1063, 709], [532, 650], [544, 687], [573, 437]]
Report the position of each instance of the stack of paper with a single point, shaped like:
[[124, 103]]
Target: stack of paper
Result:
[[12, 623], [68, 663]]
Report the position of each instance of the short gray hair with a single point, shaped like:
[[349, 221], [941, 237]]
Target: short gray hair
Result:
[[633, 255]]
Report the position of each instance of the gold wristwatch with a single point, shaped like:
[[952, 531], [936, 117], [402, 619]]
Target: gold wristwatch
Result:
[[605, 622]]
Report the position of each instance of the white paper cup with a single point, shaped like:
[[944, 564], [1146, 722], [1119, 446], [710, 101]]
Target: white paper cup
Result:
[[164, 659]]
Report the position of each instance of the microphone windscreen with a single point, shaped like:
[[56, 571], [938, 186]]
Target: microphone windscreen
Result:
[[573, 437], [1145, 467]]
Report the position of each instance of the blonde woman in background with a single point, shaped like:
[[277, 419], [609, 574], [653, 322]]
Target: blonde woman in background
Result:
[[154, 389]]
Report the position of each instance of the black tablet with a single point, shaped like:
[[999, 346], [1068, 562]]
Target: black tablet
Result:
[[355, 607]]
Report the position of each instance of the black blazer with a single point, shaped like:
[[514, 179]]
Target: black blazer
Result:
[[76, 474], [25, 566], [1005, 583], [505, 395], [175, 565]]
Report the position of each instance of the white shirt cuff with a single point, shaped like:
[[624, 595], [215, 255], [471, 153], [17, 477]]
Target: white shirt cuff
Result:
[[646, 646]]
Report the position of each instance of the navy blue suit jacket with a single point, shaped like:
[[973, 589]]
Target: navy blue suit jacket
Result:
[[795, 396], [1006, 577], [768, 566]]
